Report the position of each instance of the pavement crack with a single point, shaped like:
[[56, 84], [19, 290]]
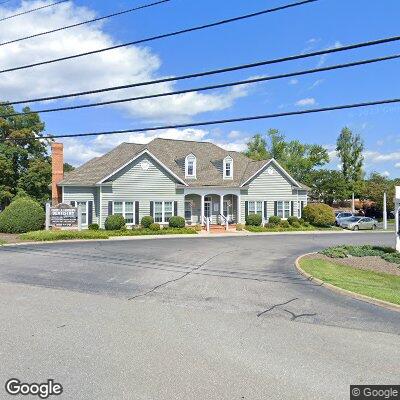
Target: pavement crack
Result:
[[295, 316], [177, 279], [276, 305]]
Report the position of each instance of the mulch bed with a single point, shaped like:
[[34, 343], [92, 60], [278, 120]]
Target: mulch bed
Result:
[[10, 238], [372, 263]]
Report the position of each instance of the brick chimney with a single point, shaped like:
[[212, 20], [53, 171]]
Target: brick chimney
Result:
[[57, 168]]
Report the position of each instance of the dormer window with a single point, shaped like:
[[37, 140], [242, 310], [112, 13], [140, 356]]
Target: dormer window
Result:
[[190, 166], [228, 168]]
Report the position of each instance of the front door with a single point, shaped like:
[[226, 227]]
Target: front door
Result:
[[207, 209]]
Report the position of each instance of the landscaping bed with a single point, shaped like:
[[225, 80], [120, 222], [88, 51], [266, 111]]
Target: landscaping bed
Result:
[[279, 228], [372, 271]]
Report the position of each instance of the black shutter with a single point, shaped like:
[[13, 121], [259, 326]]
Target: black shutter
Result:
[[275, 208], [136, 213], [90, 212], [110, 207], [73, 203], [175, 208], [265, 211], [246, 209], [151, 208], [292, 208]]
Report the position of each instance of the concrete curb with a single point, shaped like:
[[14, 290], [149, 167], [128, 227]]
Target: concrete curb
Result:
[[348, 293]]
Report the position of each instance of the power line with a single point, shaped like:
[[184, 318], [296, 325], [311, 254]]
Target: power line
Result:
[[162, 36], [215, 122], [34, 9], [211, 87], [87, 22], [213, 72]]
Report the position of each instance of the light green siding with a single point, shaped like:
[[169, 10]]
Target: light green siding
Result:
[[82, 193], [133, 183]]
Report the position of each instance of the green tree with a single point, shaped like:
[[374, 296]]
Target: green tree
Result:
[[257, 148], [21, 157], [350, 148], [68, 167]]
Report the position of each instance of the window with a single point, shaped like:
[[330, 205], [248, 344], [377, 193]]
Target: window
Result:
[[190, 166], [126, 209], [83, 205], [228, 168], [283, 209], [188, 211], [163, 211], [255, 207]]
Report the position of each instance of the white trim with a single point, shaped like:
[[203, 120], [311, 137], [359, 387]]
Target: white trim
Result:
[[190, 157], [163, 221], [124, 211], [145, 151], [101, 205], [62, 194], [277, 165], [227, 160]]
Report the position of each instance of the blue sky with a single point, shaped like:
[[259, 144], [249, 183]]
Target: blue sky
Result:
[[319, 25]]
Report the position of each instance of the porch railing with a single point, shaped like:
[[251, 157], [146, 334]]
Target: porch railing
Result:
[[206, 222], [224, 221]]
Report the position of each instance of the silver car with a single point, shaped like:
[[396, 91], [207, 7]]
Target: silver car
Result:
[[340, 216], [357, 223]]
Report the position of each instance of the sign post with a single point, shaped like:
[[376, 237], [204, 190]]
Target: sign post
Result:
[[384, 212], [397, 217]]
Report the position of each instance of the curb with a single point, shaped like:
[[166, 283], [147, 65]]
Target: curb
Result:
[[348, 293]]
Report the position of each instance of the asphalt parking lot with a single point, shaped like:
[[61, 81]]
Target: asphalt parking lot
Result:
[[212, 318]]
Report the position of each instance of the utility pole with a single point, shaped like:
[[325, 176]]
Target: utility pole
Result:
[[353, 208], [384, 212]]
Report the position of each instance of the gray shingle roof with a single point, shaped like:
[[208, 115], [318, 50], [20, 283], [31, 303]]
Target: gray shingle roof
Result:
[[172, 153]]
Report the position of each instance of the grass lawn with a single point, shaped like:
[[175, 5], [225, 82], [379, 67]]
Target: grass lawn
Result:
[[289, 229], [2, 242], [373, 284], [100, 234]]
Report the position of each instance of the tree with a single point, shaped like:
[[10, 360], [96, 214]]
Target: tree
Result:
[[68, 167], [257, 148], [350, 151], [21, 157]]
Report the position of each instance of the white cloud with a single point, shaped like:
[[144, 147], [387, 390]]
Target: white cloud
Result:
[[324, 57], [293, 82], [316, 83], [385, 173], [375, 157], [234, 134], [120, 66], [309, 101], [397, 165]]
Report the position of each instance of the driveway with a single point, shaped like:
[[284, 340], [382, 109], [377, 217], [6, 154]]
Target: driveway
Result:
[[196, 318]]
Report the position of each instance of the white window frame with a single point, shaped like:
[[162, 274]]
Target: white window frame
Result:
[[188, 202], [124, 210], [258, 207], [228, 161], [284, 208], [190, 158], [85, 210], [163, 221]]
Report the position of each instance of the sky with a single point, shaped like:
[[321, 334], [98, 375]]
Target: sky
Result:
[[315, 26]]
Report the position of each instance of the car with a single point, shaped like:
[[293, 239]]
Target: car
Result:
[[358, 223], [341, 216]]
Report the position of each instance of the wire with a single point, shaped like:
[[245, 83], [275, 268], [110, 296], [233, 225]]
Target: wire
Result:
[[86, 22], [34, 9], [219, 86], [212, 72], [215, 122], [162, 36]]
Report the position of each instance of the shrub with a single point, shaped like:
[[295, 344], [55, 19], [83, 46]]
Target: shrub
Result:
[[43, 236], [239, 227], [253, 219], [93, 227], [301, 221], [176, 222], [23, 215], [155, 227], [114, 222], [284, 224], [147, 221], [319, 214], [198, 228], [274, 220], [292, 219], [296, 224]]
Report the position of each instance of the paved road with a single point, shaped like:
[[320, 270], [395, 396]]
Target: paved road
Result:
[[197, 318]]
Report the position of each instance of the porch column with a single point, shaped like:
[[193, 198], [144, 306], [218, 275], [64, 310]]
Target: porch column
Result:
[[238, 212], [221, 206], [202, 210]]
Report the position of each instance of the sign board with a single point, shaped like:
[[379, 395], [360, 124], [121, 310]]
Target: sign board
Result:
[[64, 216]]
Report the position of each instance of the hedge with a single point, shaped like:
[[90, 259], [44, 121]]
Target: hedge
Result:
[[253, 219], [114, 222], [319, 214], [147, 221], [177, 222]]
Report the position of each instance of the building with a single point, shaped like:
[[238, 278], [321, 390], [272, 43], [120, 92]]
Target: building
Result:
[[196, 180]]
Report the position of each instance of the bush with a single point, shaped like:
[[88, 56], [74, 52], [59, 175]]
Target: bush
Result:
[[23, 215], [284, 224], [319, 214], [198, 227], [239, 227], [301, 221], [43, 236], [295, 224], [155, 227], [274, 220], [177, 222], [93, 227], [114, 222], [253, 219], [147, 221], [291, 220]]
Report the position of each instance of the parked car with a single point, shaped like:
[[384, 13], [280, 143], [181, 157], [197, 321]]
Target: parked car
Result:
[[341, 216], [358, 223]]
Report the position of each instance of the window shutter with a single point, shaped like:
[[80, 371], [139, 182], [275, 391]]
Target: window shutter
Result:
[[90, 212], [292, 208], [246, 209], [265, 211], [151, 208], [275, 208], [73, 203], [175, 208], [136, 213], [110, 207]]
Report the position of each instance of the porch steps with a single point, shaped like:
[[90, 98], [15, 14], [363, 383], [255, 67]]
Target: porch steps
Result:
[[215, 228]]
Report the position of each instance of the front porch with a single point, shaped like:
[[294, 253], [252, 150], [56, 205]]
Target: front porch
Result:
[[212, 209]]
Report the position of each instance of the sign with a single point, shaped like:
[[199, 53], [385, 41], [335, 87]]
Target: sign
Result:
[[64, 216]]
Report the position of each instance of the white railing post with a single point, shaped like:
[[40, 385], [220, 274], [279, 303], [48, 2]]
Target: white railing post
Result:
[[48, 216]]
